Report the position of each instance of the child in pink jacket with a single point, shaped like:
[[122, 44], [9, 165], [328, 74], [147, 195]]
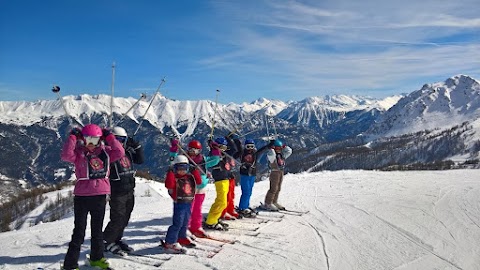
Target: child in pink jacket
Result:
[[86, 149]]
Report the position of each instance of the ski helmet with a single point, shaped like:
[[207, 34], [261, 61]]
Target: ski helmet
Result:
[[119, 131], [278, 143], [180, 159], [180, 162], [249, 141], [195, 144], [91, 130], [221, 141]]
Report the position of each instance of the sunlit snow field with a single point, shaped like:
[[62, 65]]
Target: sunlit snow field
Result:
[[356, 220]]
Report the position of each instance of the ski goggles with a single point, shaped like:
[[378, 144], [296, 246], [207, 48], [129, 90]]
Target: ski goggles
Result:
[[121, 139], [91, 140], [278, 148], [194, 151], [181, 167], [250, 146]]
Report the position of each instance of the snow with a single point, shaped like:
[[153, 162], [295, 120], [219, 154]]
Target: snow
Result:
[[164, 111], [439, 105], [357, 220]]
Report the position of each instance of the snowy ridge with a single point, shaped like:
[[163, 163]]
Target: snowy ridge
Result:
[[357, 220], [166, 112], [437, 105]]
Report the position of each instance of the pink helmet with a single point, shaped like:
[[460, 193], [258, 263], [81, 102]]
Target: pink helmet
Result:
[[91, 130]]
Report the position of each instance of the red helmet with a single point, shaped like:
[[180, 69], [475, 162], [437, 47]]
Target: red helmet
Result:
[[195, 144]]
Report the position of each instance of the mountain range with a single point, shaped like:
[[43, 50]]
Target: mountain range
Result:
[[437, 123]]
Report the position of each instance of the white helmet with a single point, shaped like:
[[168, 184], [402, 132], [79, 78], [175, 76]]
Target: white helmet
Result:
[[180, 159], [119, 131]]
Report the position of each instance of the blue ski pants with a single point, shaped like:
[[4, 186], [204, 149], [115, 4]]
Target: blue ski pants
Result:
[[246, 183], [178, 229]]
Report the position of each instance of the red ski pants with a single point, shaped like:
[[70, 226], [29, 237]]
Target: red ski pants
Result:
[[230, 198]]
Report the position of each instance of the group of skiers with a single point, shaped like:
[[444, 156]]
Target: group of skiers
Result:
[[104, 171]]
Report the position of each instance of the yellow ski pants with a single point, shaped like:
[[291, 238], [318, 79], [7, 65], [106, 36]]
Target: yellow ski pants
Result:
[[220, 202]]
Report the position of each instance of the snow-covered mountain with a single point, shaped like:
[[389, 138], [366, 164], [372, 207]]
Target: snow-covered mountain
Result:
[[332, 132], [165, 112], [31, 133], [435, 106]]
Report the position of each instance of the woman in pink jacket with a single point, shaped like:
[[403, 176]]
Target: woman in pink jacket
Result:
[[91, 150]]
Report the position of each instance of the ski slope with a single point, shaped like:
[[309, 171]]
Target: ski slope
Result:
[[356, 220]]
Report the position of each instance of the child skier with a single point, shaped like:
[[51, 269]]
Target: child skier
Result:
[[276, 158], [222, 173], [229, 213], [86, 150], [122, 199], [196, 158], [181, 186], [248, 156]]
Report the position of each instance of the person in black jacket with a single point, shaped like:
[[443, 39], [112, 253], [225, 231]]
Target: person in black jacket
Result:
[[122, 198], [248, 156]]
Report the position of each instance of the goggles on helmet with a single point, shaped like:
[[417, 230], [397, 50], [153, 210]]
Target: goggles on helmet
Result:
[[91, 140], [181, 166], [194, 151], [121, 139], [250, 146]]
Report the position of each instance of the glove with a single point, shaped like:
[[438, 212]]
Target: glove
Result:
[[132, 143], [76, 132], [106, 132], [216, 152], [174, 145], [213, 145], [173, 142]]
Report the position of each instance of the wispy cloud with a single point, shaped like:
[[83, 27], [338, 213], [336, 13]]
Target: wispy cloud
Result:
[[374, 45]]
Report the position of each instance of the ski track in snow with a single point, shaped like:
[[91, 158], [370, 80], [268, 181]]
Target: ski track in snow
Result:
[[356, 220]]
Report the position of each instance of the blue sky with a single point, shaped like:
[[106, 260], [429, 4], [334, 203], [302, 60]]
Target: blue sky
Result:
[[286, 50]]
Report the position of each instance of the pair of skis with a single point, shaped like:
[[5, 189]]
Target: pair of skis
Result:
[[146, 259], [262, 209]]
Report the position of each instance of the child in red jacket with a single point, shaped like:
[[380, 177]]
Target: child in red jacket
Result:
[[181, 183]]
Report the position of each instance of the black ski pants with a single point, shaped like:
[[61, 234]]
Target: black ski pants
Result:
[[121, 207], [82, 205]]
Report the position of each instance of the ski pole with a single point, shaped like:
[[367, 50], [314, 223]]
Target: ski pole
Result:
[[266, 124], [214, 114], [56, 90], [111, 99], [274, 127], [183, 150], [191, 160], [149, 105], [142, 96]]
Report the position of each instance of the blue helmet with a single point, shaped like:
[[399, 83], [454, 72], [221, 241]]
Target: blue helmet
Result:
[[278, 143], [249, 141], [221, 141]]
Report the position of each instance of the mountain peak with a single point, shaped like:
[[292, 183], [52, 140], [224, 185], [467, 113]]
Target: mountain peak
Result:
[[435, 105]]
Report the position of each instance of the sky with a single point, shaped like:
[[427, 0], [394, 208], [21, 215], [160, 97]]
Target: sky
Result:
[[357, 220], [285, 50]]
